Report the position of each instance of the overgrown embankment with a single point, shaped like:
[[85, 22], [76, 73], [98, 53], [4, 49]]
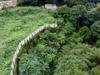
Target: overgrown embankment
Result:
[[15, 24]]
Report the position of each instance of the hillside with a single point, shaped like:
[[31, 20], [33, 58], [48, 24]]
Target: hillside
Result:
[[68, 43], [15, 25]]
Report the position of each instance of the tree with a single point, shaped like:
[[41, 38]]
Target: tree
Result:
[[71, 65], [45, 54], [82, 36], [95, 29], [78, 60], [63, 12], [77, 15], [68, 28], [71, 3], [98, 43], [95, 70], [52, 39], [85, 33], [52, 1], [93, 15], [90, 6], [30, 65]]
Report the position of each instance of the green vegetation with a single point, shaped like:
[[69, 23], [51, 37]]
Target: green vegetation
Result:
[[73, 48], [15, 25], [70, 49]]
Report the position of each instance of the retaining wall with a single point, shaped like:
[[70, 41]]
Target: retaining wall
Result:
[[7, 4], [25, 41]]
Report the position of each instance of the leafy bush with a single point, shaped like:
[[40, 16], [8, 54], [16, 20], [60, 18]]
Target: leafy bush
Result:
[[78, 60], [27, 2], [90, 6], [16, 24], [82, 36], [45, 53], [95, 28], [98, 43], [95, 70], [20, 11], [85, 33], [77, 13], [71, 3], [52, 39], [52, 1], [71, 65], [94, 14], [29, 64], [68, 28], [59, 51], [63, 11]]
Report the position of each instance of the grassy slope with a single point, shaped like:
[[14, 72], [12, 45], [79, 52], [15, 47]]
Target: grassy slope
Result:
[[16, 24]]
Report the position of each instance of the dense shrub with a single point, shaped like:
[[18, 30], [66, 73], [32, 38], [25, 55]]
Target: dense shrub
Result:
[[90, 6], [20, 11], [82, 36], [45, 53], [63, 50], [68, 28], [52, 39], [98, 43], [71, 65], [95, 28], [36, 2], [15, 25], [30, 65], [77, 61], [77, 15], [94, 14], [85, 33], [38, 61], [63, 11], [26, 2], [96, 70], [52, 1], [71, 3]]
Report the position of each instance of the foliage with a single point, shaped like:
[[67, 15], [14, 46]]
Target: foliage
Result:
[[29, 65], [76, 60], [59, 51], [96, 70], [63, 51], [95, 28], [71, 3], [63, 12], [52, 39], [85, 33], [98, 43], [94, 14], [68, 28], [45, 53], [38, 62], [16, 24], [26, 2], [82, 36], [90, 5], [35, 2], [77, 15], [71, 65], [52, 1]]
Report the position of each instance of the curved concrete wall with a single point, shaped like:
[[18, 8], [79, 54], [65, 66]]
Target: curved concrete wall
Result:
[[25, 41]]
